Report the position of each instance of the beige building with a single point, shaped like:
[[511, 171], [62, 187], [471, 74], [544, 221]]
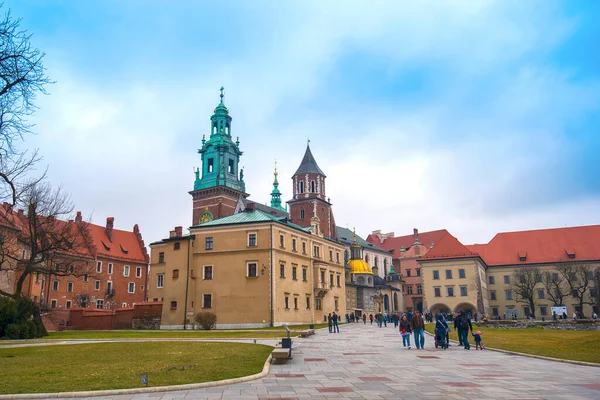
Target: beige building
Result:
[[478, 277], [251, 269]]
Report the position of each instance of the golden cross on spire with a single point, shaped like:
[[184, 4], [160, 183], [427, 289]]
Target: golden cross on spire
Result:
[[222, 95]]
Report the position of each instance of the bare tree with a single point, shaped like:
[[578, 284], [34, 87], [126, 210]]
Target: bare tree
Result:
[[52, 244], [576, 276], [523, 282], [556, 288]]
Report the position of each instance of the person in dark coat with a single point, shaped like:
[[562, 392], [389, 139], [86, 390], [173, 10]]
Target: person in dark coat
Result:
[[330, 322], [456, 318], [441, 330], [405, 331], [464, 325]]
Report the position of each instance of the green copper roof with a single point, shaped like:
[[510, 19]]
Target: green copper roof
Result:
[[308, 164], [276, 194], [248, 217]]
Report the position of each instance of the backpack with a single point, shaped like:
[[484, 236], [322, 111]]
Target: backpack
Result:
[[463, 323]]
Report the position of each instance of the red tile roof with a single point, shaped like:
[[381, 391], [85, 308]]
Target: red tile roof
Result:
[[425, 238], [449, 247], [124, 246]]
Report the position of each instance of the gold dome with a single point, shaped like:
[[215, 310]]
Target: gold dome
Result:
[[359, 267]]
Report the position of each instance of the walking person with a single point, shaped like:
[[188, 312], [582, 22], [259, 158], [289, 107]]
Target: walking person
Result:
[[330, 322], [441, 330], [458, 330], [335, 323], [371, 318], [364, 318], [405, 331], [418, 326], [464, 325]]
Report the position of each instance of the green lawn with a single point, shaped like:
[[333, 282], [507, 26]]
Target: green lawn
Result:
[[567, 345], [81, 367]]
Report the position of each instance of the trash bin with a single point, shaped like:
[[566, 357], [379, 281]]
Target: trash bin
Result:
[[311, 326], [286, 343]]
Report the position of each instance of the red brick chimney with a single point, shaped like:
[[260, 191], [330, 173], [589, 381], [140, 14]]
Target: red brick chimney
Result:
[[178, 231], [78, 218], [415, 233], [249, 207], [110, 221]]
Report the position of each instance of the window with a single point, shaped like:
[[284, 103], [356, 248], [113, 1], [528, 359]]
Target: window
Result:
[[57, 268], [316, 252], [330, 280], [252, 270], [97, 287], [336, 303], [303, 247], [161, 257], [231, 166], [173, 305], [211, 164], [495, 311], [282, 270], [287, 302], [100, 303], [108, 287], [450, 291], [110, 268], [541, 294], [252, 240], [98, 267], [126, 270], [301, 187], [131, 287], [307, 302], [68, 304], [160, 280], [418, 271], [492, 295], [436, 274], [85, 277], [175, 273], [72, 269], [409, 289], [70, 287], [463, 290], [408, 273], [437, 292], [330, 255], [338, 281], [302, 212], [138, 272], [337, 257], [508, 294], [312, 186], [461, 274], [55, 285], [538, 278], [208, 243], [282, 241], [207, 301], [506, 279], [554, 276], [318, 304], [123, 305], [208, 270], [142, 288], [294, 245], [491, 280], [590, 275], [304, 273], [53, 304], [176, 246], [419, 289], [448, 274], [294, 269], [544, 310], [295, 303]]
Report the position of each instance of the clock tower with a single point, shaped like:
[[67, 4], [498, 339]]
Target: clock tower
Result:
[[309, 206], [219, 187]]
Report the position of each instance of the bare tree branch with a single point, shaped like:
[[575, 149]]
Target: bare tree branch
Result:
[[523, 283]]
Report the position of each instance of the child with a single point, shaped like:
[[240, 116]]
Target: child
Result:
[[477, 337]]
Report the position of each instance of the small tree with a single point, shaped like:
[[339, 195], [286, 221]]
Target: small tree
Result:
[[576, 277], [555, 286], [523, 282], [206, 320]]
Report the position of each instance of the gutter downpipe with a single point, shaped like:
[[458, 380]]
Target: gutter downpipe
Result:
[[271, 274], [187, 284]]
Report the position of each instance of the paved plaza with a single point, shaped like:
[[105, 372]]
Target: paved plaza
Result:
[[366, 362]]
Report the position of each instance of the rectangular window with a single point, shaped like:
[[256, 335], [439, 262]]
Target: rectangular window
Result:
[[495, 311], [436, 274], [418, 271], [408, 273], [208, 272], [252, 240], [437, 292], [448, 274], [508, 294], [160, 280], [419, 289], [409, 289], [252, 270], [97, 287], [338, 281], [330, 255], [53, 304], [98, 267], [55, 285], [68, 304], [138, 272], [541, 294], [330, 280], [175, 273], [294, 244], [336, 302], [463, 290], [207, 301], [287, 302], [318, 304], [282, 241], [110, 268], [590, 275], [294, 275], [316, 251], [304, 272], [492, 295], [70, 287], [100, 303], [450, 291], [131, 287], [176, 245], [108, 287], [173, 305], [85, 277], [307, 302], [554, 276], [211, 165], [461, 274], [538, 278], [295, 303], [544, 310], [126, 270], [506, 279], [303, 247], [491, 280], [161, 257], [208, 243], [282, 270]]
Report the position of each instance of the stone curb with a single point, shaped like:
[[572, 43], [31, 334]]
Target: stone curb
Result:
[[516, 353], [191, 386]]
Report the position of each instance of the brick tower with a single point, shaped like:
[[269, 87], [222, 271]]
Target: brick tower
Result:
[[221, 189], [309, 204]]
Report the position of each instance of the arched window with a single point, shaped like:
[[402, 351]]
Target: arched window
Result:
[[301, 186], [396, 308], [370, 280], [346, 256], [312, 186], [360, 280], [367, 258], [386, 303], [302, 213]]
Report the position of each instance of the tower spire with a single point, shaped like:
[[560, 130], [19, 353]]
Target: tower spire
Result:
[[276, 194], [222, 95]]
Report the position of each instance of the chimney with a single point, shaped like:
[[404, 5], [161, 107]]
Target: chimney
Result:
[[415, 233], [178, 231], [110, 221], [250, 206], [21, 213], [78, 218]]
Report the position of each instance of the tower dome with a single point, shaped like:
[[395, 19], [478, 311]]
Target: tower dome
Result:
[[356, 263]]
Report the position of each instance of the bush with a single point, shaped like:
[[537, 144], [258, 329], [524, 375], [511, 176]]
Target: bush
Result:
[[41, 329], [206, 320], [17, 314], [13, 331], [32, 327]]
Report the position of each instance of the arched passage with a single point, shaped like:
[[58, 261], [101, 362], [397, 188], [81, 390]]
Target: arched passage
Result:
[[439, 308], [466, 307]]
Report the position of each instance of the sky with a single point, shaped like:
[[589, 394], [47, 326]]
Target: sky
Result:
[[475, 117]]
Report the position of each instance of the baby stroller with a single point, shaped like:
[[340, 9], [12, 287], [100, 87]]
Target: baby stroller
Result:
[[438, 341]]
